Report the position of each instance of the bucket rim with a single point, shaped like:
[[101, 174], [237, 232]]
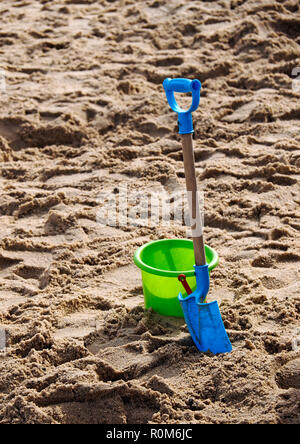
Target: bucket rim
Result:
[[168, 273]]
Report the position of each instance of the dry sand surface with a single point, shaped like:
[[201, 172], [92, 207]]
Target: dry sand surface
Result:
[[84, 110]]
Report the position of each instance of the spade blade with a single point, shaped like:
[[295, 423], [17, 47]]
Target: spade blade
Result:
[[205, 324]]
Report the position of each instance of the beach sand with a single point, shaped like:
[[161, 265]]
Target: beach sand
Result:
[[83, 112]]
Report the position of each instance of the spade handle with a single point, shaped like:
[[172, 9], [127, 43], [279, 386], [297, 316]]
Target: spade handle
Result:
[[191, 186], [185, 126]]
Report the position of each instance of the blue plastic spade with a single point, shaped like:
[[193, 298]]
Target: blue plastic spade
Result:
[[204, 320]]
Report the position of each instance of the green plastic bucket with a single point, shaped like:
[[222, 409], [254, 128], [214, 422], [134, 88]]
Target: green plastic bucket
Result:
[[161, 262]]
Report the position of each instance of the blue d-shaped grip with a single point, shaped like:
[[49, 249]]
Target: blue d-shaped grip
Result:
[[185, 121]]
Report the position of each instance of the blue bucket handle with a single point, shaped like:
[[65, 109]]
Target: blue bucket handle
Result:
[[185, 121]]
